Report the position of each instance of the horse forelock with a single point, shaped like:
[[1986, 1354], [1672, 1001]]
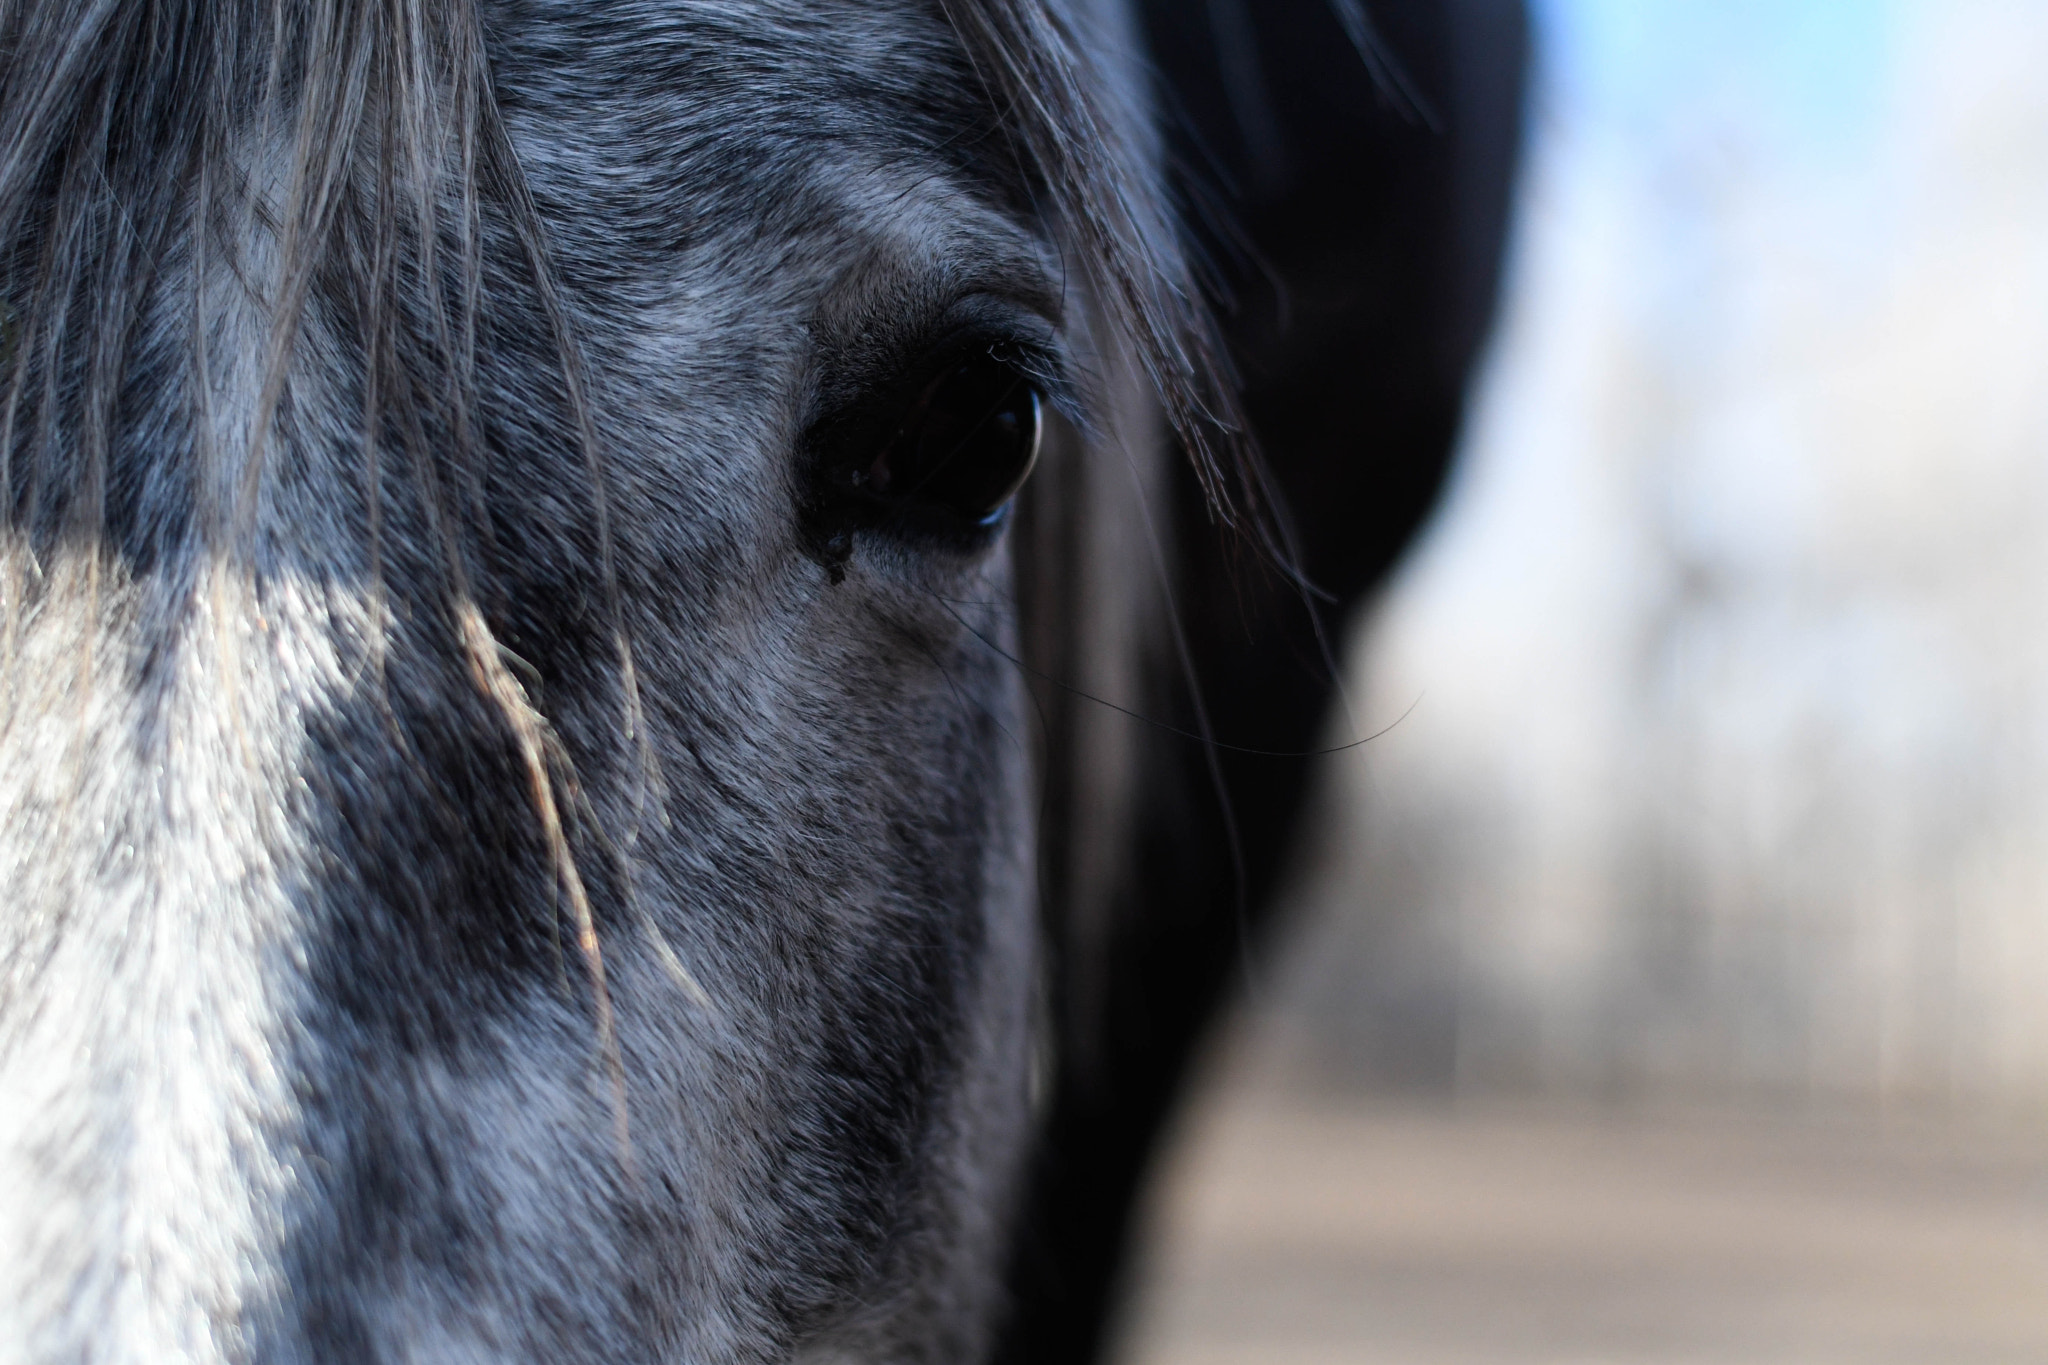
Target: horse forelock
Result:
[[350, 156]]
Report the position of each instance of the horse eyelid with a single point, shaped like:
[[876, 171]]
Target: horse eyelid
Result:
[[879, 401], [1045, 366]]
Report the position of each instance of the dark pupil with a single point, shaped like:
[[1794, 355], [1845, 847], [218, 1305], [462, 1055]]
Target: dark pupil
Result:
[[967, 442]]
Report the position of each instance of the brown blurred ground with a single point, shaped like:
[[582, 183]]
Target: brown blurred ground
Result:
[[1302, 1231]]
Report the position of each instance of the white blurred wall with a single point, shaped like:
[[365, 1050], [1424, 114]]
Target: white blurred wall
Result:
[[1727, 762]]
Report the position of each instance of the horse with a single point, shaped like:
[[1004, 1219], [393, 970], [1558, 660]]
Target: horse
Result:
[[538, 541]]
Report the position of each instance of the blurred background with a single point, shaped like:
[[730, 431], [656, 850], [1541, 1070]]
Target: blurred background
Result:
[[1668, 979]]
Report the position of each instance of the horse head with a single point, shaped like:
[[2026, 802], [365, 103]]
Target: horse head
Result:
[[515, 789]]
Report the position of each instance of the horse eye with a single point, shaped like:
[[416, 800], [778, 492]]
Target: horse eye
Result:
[[966, 444]]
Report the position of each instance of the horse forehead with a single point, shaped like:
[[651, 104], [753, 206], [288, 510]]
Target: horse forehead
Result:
[[728, 61], [655, 123]]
